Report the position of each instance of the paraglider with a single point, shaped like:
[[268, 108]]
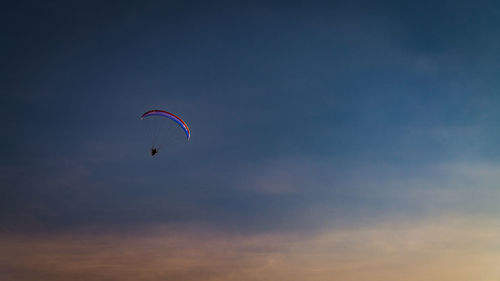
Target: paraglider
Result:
[[169, 125]]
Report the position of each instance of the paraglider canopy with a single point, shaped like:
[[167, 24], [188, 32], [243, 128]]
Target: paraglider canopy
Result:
[[171, 116]]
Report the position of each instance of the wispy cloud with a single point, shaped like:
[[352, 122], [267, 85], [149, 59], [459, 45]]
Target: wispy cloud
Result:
[[444, 248]]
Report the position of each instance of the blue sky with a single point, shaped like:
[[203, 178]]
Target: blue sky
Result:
[[305, 117]]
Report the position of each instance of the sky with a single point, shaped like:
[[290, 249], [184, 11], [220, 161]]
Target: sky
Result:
[[330, 140]]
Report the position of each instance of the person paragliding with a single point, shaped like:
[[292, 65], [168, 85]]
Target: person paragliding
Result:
[[176, 122]]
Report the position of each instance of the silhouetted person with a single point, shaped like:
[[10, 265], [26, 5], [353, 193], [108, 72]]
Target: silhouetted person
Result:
[[154, 150]]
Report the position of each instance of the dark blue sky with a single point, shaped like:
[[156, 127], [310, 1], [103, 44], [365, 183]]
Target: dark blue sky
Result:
[[302, 114], [330, 140]]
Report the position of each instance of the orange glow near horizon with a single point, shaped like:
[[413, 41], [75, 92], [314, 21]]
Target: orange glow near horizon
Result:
[[443, 249]]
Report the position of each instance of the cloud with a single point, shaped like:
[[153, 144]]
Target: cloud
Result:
[[285, 175], [444, 248]]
